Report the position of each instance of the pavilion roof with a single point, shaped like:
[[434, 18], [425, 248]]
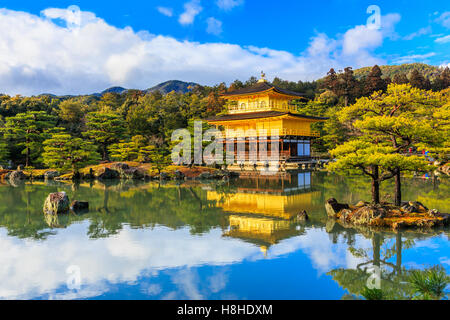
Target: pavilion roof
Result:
[[262, 86], [261, 114]]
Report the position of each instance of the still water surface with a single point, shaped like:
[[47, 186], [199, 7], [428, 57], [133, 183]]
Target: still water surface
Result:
[[233, 240]]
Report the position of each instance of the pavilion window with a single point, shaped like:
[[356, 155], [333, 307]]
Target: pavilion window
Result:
[[304, 148]]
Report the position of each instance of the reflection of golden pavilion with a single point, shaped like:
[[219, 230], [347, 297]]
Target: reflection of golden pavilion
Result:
[[275, 196], [264, 207]]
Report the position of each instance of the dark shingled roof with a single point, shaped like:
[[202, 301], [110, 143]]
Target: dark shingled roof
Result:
[[260, 87], [258, 115]]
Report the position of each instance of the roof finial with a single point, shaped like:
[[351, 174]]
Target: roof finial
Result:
[[263, 77]]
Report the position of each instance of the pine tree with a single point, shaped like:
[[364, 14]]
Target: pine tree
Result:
[[348, 86], [331, 81], [442, 81], [417, 80], [62, 151], [4, 151], [380, 163], [393, 122], [159, 157], [137, 149], [105, 128], [400, 78], [28, 130], [374, 82]]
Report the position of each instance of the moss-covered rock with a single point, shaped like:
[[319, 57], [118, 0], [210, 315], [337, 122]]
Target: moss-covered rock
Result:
[[333, 207], [409, 215], [56, 203]]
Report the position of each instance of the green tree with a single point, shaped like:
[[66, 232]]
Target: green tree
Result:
[[374, 81], [442, 81], [4, 151], [380, 163], [65, 152], [400, 78], [331, 81], [159, 157], [429, 284], [417, 80], [28, 131], [137, 149], [348, 86], [105, 128], [389, 124]]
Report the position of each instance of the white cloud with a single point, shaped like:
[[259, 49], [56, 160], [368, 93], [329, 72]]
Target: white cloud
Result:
[[362, 38], [444, 39], [414, 58], [168, 12], [39, 55], [191, 10], [214, 26], [30, 269], [418, 33], [444, 19], [229, 4]]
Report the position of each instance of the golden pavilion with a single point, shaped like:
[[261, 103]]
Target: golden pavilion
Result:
[[264, 110]]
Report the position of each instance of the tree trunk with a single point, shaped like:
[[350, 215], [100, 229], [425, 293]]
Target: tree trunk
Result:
[[27, 161], [105, 153], [375, 185], [398, 248], [376, 244], [398, 189]]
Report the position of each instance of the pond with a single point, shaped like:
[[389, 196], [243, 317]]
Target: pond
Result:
[[211, 240]]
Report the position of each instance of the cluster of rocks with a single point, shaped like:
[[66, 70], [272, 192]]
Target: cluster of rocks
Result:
[[410, 214], [117, 171], [58, 203], [442, 168]]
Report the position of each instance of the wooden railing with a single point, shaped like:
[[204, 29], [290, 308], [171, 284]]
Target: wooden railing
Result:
[[268, 133], [237, 109]]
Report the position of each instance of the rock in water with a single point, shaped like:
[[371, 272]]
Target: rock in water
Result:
[[57, 202], [163, 176], [106, 173], [302, 216], [205, 176], [361, 204], [120, 166], [178, 175], [366, 215], [17, 176], [79, 205], [49, 175], [132, 173], [413, 207], [333, 207]]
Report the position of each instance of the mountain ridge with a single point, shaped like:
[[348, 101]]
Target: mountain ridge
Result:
[[429, 72]]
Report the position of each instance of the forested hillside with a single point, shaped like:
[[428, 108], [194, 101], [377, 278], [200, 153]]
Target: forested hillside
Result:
[[137, 125]]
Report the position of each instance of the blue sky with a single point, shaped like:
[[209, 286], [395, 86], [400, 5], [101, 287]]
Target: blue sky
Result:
[[141, 43]]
